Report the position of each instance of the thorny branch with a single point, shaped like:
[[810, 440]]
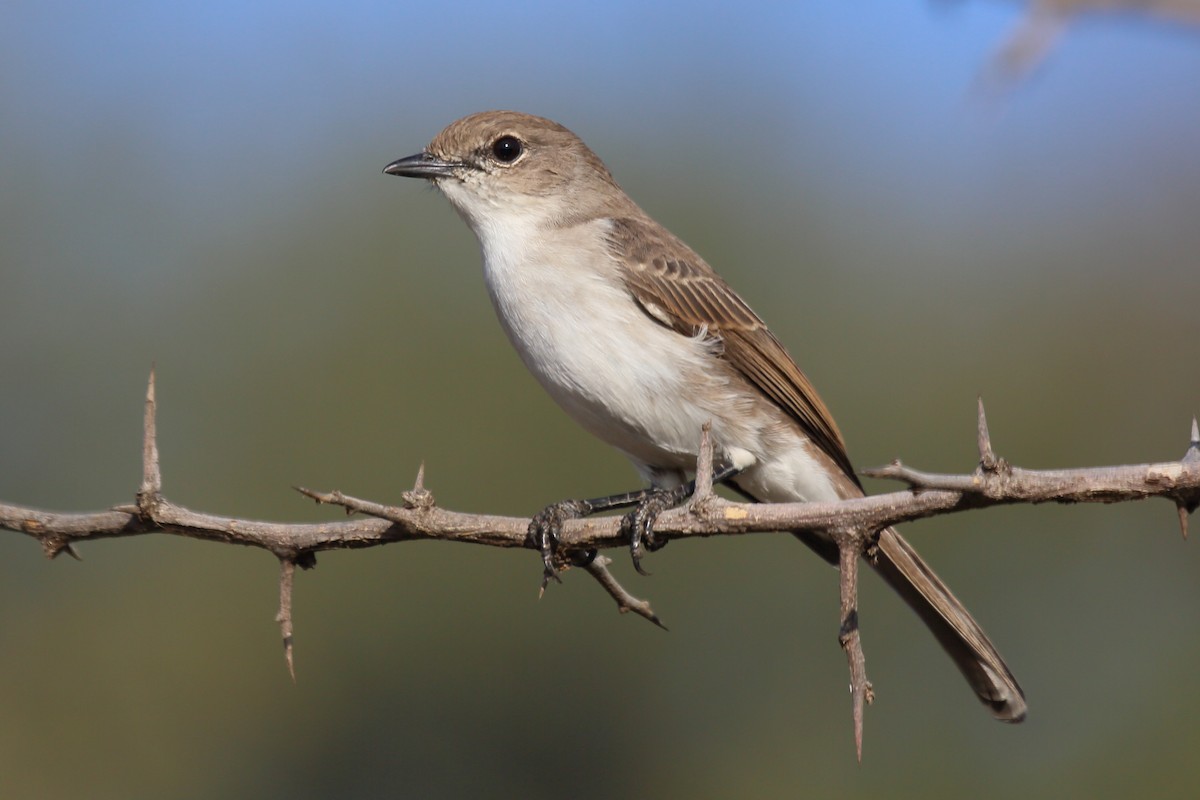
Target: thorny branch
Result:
[[851, 544], [852, 523]]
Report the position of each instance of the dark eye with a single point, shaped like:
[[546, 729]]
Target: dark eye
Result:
[[506, 149]]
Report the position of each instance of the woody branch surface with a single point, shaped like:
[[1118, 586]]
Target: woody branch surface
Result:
[[993, 482], [852, 523]]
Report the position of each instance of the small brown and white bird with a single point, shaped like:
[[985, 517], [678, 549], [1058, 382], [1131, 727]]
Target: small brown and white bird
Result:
[[641, 343]]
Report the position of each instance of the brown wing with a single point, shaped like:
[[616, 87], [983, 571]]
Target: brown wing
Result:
[[678, 289]]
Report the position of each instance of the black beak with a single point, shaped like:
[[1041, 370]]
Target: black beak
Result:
[[422, 165]]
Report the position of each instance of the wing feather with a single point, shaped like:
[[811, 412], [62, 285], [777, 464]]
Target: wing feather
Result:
[[678, 289]]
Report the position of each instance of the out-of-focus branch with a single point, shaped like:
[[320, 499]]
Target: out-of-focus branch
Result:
[[1044, 22]]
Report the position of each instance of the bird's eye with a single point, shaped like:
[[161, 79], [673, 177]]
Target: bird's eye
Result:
[[506, 149]]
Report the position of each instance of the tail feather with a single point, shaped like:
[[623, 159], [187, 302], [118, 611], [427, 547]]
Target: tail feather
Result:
[[950, 622]]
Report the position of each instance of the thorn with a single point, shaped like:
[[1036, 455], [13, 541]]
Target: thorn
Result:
[[1193, 451], [54, 545], [850, 546], [858, 725], [418, 498], [151, 474], [291, 662], [1183, 519], [650, 615], [987, 457], [287, 573], [704, 466], [311, 494]]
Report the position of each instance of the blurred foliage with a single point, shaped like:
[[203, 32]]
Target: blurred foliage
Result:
[[198, 186]]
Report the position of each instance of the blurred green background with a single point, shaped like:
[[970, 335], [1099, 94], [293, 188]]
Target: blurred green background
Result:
[[198, 185]]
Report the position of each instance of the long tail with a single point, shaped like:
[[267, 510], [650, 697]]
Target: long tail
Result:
[[949, 621], [952, 625]]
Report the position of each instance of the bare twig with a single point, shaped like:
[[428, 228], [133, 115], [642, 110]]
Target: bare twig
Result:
[[420, 518], [598, 569], [994, 482]]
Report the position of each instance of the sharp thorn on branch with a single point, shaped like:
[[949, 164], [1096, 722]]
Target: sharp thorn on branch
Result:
[[704, 465], [987, 456], [1193, 451], [287, 574], [55, 545], [418, 497], [311, 494], [850, 546], [1183, 518], [151, 486]]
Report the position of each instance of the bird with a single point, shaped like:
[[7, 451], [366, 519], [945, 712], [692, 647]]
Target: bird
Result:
[[641, 343]]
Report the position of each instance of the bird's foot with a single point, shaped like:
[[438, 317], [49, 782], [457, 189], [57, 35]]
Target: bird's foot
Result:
[[545, 529], [639, 523]]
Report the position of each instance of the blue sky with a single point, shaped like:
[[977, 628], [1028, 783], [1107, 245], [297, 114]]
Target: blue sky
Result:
[[178, 104]]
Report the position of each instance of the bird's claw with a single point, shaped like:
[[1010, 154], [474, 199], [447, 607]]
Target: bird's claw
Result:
[[545, 529], [639, 523]]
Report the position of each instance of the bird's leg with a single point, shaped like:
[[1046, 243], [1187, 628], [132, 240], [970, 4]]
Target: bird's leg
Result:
[[546, 525], [640, 522]]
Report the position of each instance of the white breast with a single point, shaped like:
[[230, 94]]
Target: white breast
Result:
[[619, 374]]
